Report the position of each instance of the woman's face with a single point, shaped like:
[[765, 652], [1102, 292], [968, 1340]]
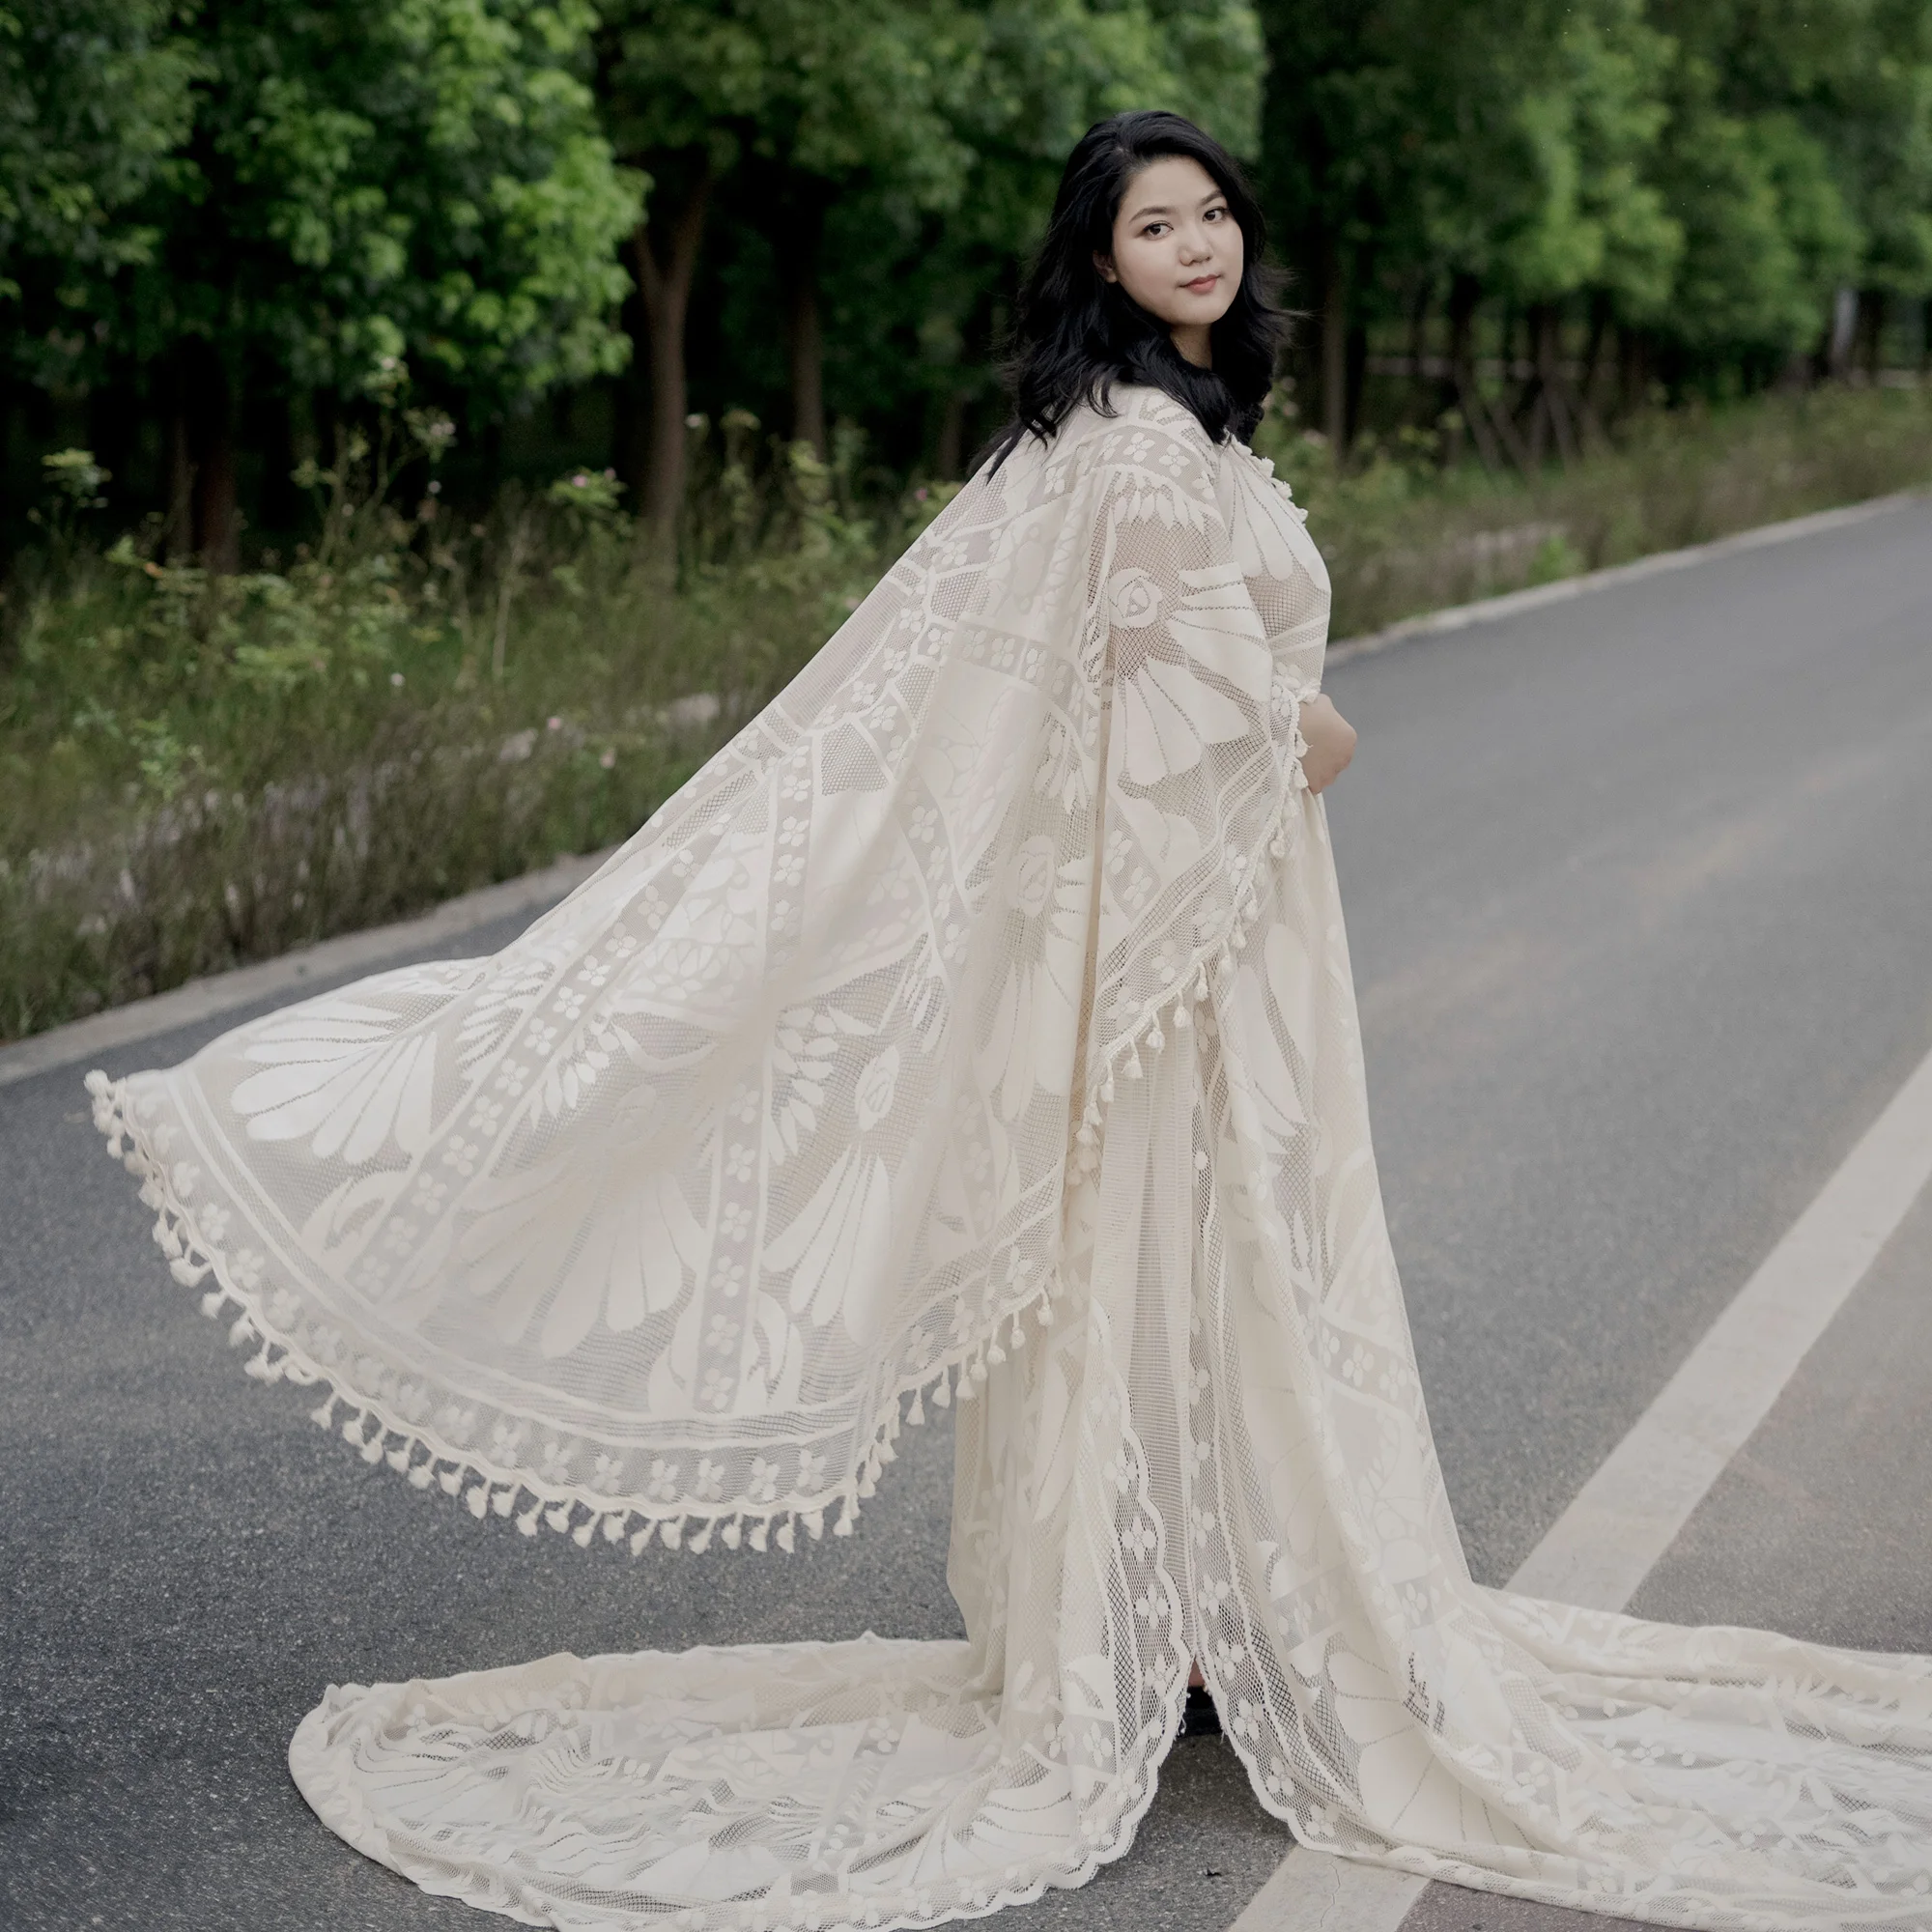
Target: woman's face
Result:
[[1177, 249]]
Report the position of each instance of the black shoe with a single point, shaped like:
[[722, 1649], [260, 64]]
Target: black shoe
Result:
[[1199, 1717]]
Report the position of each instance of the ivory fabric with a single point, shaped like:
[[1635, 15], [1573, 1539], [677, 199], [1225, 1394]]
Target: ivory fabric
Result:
[[977, 1026]]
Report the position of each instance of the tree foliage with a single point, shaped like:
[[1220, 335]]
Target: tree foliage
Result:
[[816, 210]]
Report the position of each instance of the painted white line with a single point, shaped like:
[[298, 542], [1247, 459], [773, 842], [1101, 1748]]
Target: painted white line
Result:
[[1630, 1511], [1511, 603], [1313, 1891], [290, 972]]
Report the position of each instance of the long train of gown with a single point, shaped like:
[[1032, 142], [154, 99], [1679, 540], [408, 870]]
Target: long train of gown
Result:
[[978, 1027]]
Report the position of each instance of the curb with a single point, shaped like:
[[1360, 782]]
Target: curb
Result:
[[1511, 602], [223, 993]]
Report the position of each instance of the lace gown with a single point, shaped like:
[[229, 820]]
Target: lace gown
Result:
[[976, 1028]]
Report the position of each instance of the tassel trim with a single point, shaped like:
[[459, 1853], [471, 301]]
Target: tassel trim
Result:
[[486, 1487], [1123, 1058], [378, 1436]]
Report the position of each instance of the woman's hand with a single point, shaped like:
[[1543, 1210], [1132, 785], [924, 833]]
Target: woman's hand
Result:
[[1331, 742]]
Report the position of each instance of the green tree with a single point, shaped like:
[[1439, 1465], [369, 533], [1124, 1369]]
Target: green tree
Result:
[[1046, 73], [366, 187], [93, 99], [1802, 151], [801, 102], [1488, 149], [922, 136]]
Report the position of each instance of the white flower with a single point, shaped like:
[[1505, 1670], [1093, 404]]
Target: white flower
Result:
[[1030, 876], [1133, 599], [873, 1098]]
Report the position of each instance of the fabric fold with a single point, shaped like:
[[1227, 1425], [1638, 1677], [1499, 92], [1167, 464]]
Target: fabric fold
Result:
[[978, 1027], [652, 1223]]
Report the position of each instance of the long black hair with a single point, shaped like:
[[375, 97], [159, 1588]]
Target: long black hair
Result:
[[1075, 334]]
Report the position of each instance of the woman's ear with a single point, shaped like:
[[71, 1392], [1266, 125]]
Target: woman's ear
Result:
[[1105, 264]]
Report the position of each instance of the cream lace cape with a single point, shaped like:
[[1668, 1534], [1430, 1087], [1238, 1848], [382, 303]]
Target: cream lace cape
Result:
[[652, 1222], [994, 979]]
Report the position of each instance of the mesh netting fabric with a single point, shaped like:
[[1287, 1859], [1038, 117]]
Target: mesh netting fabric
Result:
[[977, 1026]]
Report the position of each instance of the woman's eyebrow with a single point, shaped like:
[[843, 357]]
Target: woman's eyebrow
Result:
[[1141, 213]]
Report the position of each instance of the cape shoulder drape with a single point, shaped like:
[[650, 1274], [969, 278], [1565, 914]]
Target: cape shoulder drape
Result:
[[976, 1025]]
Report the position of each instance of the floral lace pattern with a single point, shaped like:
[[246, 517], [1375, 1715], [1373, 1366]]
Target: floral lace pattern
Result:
[[976, 1027]]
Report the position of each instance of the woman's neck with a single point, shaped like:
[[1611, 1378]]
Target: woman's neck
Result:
[[1192, 340]]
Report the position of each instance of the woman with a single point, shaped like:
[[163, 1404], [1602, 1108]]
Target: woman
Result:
[[976, 1027]]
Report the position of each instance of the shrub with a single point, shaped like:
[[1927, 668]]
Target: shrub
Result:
[[197, 771]]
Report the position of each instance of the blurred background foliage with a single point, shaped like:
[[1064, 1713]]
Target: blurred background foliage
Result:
[[427, 427]]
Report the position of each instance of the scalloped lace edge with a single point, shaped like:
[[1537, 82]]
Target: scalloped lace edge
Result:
[[429, 1459], [340, 1810]]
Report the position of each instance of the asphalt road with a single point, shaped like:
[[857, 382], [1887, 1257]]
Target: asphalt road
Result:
[[1641, 898]]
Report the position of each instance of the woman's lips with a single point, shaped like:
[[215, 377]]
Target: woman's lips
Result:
[[1202, 284]]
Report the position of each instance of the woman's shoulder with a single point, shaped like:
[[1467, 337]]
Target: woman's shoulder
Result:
[[1132, 416]]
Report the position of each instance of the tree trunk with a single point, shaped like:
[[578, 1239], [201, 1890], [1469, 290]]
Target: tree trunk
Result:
[[664, 257], [1546, 339], [1418, 346], [1590, 410], [204, 517], [1634, 369], [805, 337], [1334, 350], [1840, 337], [630, 401], [112, 418], [278, 506], [5, 454], [1871, 331], [1464, 295], [178, 533], [217, 516], [1357, 377]]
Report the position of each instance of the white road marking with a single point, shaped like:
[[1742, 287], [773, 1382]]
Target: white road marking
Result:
[[223, 993], [1630, 1511]]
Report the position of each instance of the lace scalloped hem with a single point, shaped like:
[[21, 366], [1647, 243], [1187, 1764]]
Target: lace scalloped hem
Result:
[[371, 1426], [379, 1434], [329, 1771]]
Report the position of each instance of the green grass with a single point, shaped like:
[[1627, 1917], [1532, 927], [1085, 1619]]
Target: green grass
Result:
[[197, 771], [1401, 537]]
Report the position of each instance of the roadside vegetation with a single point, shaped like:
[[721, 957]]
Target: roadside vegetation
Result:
[[201, 768], [426, 431]]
